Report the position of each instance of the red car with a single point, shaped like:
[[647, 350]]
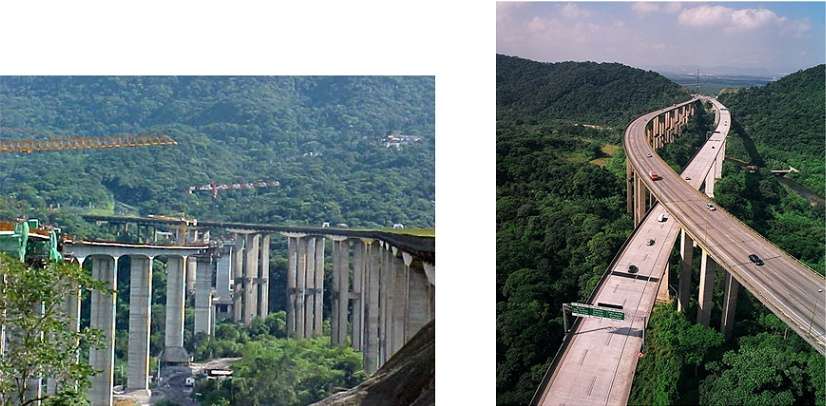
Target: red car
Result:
[[654, 175]]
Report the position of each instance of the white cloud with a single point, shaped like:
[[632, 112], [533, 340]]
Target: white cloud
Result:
[[648, 7], [747, 19], [705, 16], [570, 10]]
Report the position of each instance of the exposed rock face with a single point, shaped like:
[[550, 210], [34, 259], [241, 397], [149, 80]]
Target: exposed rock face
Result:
[[408, 378]]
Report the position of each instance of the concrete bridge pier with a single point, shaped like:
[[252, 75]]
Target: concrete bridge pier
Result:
[[292, 266], [251, 277], [175, 299], [629, 188], [203, 295], [191, 274], [358, 294], [264, 277], [140, 308], [705, 300], [238, 255], [309, 301], [639, 199], [373, 268], [318, 300], [687, 256], [341, 289], [301, 279], [400, 302], [729, 305], [103, 317]]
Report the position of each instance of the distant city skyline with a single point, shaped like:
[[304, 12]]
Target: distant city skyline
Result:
[[759, 39]]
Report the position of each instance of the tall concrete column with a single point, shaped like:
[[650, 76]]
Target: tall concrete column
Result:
[[140, 315], [400, 299], [721, 156], [292, 266], [418, 308], [191, 274], [309, 301], [373, 255], [103, 317], [709, 183], [729, 306], [629, 187], [384, 300], [336, 294], [301, 279], [175, 294], [687, 255], [358, 291], [705, 301], [639, 199], [238, 280], [203, 296], [251, 277], [343, 290], [318, 322], [264, 277]]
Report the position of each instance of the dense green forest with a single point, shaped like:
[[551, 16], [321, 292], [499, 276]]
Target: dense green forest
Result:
[[584, 92], [766, 362], [560, 205], [782, 124], [320, 137]]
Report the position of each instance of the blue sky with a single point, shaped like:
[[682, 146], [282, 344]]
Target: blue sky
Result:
[[754, 38]]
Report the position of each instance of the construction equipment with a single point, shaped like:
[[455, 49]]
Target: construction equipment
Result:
[[30, 243], [28, 146], [214, 188]]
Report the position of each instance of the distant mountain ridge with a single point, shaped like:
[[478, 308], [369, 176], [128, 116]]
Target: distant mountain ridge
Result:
[[788, 113], [601, 93]]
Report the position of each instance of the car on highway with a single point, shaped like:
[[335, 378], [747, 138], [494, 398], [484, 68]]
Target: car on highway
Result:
[[662, 218], [688, 178], [711, 207], [633, 268], [650, 242], [649, 155], [754, 258], [653, 175]]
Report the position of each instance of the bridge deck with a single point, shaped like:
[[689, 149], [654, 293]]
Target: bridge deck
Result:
[[597, 367]]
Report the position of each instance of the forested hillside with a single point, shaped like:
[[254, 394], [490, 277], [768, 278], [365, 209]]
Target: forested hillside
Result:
[[320, 137], [784, 123], [560, 213], [584, 92]]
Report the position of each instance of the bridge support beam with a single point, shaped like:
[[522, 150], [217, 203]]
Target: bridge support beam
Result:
[[175, 297], [639, 199], [373, 255], [140, 310], [687, 256], [629, 187], [729, 306], [319, 286], [292, 271], [301, 283], [343, 290], [191, 274], [705, 300], [709, 182], [358, 294], [385, 303], [103, 318], [203, 296], [309, 301], [400, 303], [251, 277], [238, 280], [264, 277]]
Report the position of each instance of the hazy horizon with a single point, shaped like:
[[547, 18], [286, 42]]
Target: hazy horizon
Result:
[[755, 39]]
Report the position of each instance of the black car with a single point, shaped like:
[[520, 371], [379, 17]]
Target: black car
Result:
[[754, 258], [633, 269]]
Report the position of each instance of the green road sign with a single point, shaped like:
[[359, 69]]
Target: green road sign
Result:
[[584, 310]]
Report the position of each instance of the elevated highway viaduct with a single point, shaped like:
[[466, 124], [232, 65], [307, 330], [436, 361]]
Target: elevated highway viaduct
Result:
[[597, 360], [382, 291]]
